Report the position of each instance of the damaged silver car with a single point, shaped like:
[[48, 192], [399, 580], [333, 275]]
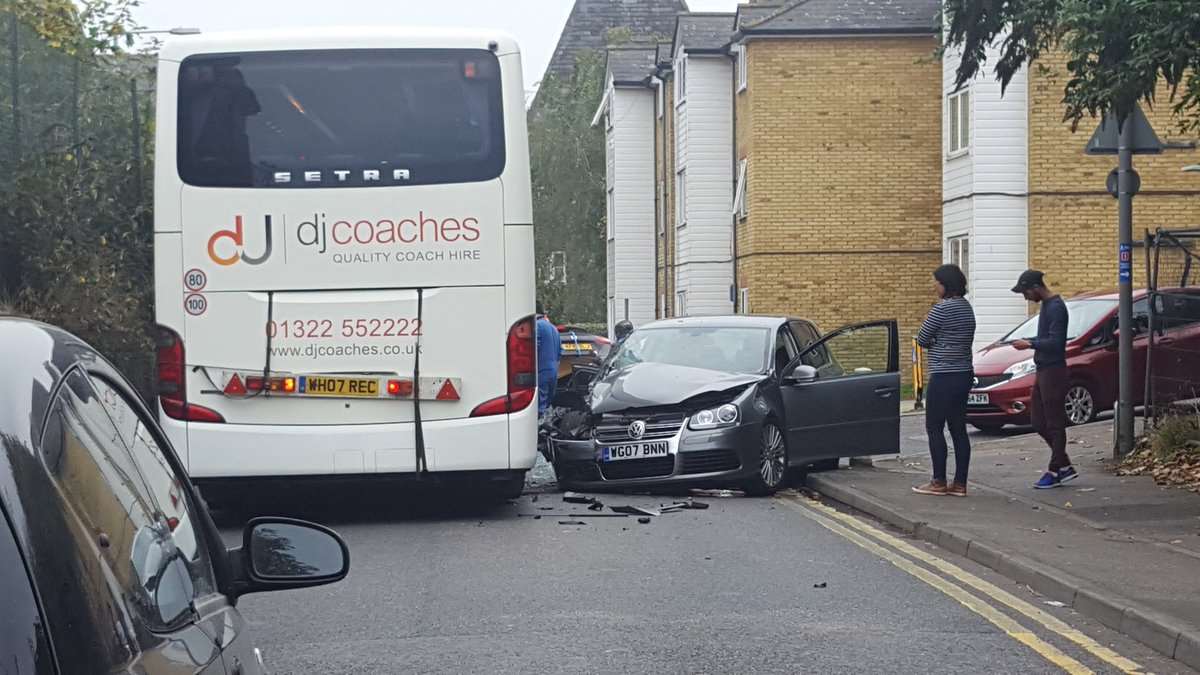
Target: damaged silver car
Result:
[[727, 401]]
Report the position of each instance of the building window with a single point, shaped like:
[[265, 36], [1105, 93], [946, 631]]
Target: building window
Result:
[[958, 122], [610, 215], [742, 70], [681, 198], [680, 79], [740, 206], [744, 301], [958, 252], [681, 303]]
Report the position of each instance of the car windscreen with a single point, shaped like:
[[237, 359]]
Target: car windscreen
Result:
[[1081, 316], [726, 349], [340, 118]]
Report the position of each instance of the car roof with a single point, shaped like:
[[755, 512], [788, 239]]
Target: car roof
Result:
[[33, 357], [1106, 295], [720, 321]]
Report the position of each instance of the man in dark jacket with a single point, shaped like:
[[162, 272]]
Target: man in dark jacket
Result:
[[549, 351], [1048, 409]]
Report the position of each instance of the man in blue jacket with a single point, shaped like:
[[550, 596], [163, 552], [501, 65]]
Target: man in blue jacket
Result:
[[1047, 409], [549, 351]]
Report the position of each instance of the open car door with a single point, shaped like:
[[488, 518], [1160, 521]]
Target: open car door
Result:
[[841, 394]]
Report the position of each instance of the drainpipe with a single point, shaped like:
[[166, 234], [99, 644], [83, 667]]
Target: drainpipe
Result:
[[657, 83], [660, 91], [737, 294]]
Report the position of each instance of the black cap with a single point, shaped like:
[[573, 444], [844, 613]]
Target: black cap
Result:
[[1029, 279]]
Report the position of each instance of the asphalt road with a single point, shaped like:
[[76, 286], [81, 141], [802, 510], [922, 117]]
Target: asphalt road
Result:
[[748, 585]]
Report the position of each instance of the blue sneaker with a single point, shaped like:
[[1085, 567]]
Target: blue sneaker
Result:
[[1067, 474], [1047, 481]]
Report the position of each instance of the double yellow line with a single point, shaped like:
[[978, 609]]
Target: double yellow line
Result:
[[894, 550]]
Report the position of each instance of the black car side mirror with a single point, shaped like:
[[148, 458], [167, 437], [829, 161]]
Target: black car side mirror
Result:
[[799, 374], [282, 553]]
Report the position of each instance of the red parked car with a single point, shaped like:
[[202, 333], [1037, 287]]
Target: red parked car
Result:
[[1004, 376]]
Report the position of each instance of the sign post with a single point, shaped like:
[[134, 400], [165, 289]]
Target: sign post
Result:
[[1125, 138]]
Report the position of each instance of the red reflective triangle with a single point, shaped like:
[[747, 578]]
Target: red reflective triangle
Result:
[[448, 392], [235, 386]]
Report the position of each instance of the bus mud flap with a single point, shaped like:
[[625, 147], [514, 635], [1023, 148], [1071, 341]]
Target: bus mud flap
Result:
[[421, 465]]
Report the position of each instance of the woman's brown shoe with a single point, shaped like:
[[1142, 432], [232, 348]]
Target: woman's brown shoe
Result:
[[957, 490], [936, 488]]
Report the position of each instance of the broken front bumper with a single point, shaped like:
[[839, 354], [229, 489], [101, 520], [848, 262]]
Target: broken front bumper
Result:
[[700, 458]]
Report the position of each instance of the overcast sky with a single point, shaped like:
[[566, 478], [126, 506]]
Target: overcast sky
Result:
[[535, 23]]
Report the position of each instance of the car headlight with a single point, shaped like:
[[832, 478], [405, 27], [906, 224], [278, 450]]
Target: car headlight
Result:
[[715, 418], [1018, 370]]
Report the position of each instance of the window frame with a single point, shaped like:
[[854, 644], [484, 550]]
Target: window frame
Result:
[[958, 125], [958, 252], [741, 206], [681, 196], [610, 214], [743, 74], [681, 303], [680, 78]]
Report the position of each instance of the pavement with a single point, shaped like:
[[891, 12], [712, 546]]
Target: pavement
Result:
[[1118, 549]]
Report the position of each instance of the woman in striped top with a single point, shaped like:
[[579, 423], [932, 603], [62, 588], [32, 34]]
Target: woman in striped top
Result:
[[947, 335]]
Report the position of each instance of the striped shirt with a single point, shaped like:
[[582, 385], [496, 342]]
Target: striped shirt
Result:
[[948, 333]]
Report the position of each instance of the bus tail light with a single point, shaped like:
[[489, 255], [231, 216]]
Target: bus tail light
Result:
[[172, 381], [522, 372]]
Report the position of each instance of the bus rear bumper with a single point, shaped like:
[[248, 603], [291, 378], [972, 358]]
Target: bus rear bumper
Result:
[[502, 442]]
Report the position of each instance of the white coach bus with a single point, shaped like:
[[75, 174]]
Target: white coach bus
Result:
[[344, 273]]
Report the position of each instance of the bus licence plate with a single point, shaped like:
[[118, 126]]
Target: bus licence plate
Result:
[[616, 453], [340, 387]]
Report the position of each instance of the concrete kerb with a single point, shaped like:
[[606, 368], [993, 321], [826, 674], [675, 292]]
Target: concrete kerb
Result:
[[1162, 633]]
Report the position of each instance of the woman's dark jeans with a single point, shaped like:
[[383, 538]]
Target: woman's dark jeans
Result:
[[946, 405]]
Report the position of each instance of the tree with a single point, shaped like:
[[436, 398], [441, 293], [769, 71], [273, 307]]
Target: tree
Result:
[[567, 161], [75, 235], [1118, 51]]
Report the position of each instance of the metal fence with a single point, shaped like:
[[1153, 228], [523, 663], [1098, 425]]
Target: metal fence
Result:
[[75, 195], [1169, 321]]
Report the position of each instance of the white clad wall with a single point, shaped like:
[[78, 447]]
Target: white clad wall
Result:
[[707, 152], [633, 191], [986, 197]]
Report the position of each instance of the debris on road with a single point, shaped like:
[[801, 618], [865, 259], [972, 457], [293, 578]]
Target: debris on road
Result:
[[1086, 490], [718, 493], [644, 520], [576, 498], [596, 506], [571, 522], [1054, 603], [823, 584], [635, 510]]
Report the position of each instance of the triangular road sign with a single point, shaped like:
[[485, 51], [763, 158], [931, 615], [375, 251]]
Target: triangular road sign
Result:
[[1107, 138]]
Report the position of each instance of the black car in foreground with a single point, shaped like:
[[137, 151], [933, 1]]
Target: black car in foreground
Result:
[[729, 401], [109, 560]]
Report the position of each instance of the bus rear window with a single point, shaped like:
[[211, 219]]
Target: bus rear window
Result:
[[340, 118]]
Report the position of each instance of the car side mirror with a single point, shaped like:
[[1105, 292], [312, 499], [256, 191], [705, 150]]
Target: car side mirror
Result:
[[283, 553], [800, 374]]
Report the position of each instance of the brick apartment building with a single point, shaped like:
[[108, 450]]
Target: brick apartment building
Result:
[[812, 158], [1019, 191], [797, 166]]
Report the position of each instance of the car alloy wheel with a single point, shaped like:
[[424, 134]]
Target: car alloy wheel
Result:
[[1081, 407], [772, 466]]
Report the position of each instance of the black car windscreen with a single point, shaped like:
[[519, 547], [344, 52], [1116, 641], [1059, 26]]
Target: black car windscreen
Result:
[[340, 118]]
